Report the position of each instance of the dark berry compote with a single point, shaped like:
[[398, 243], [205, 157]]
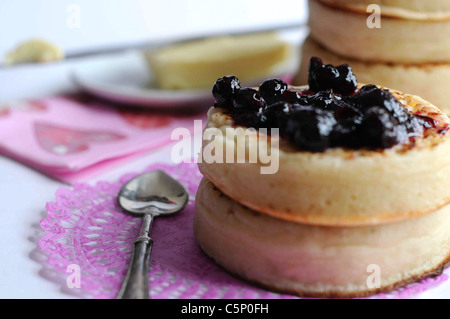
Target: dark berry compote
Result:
[[332, 113]]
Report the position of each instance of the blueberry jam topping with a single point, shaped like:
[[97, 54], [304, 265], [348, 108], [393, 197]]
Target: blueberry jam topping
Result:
[[323, 77], [332, 113], [272, 90], [224, 90]]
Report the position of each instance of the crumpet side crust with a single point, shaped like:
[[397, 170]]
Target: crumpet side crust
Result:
[[318, 261], [397, 41], [402, 9]]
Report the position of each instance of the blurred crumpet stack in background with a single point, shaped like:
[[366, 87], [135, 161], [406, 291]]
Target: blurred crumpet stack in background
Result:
[[409, 50]]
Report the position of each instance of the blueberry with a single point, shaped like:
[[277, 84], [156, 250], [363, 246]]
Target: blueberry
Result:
[[224, 90], [370, 96], [247, 107], [346, 113], [276, 115], [380, 130], [291, 96], [366, 89], [325, 100], [249, 119], [324, 77], [309, 129], [247, 99], [345, 132], [271, 90], [347, 83]]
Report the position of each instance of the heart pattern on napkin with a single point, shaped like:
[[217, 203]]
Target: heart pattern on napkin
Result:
[[144, 120], [61, 140]]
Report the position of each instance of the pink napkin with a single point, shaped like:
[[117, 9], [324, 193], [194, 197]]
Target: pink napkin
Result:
[[71, 138]]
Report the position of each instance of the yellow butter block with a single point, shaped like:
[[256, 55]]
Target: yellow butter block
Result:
[[198, 64], [35, 50]]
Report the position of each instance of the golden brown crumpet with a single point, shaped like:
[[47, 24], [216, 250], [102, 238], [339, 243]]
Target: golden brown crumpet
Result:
[[346, 33], [402, 9], [339, 187], [319, 261]]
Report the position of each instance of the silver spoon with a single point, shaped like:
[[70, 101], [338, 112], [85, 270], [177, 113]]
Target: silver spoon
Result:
[[151, 194]]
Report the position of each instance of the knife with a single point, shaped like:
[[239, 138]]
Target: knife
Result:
[[151, 45]]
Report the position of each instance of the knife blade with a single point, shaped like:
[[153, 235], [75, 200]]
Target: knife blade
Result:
[[151, 45]]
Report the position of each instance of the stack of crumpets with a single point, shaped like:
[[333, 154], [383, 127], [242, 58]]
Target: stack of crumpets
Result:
[[405, 47], [359, 203]]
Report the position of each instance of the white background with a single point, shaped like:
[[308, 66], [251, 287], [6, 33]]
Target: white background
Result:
[[24, 192], [106, 22]]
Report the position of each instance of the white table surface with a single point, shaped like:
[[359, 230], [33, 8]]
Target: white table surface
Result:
[[23, 191]]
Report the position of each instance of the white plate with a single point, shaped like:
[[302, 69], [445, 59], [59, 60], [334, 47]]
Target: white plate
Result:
[[126, 78]]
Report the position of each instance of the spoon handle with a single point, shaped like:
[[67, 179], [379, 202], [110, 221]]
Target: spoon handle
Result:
[[135, 285]]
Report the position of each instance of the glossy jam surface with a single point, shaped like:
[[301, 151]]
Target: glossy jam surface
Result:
[[332, 113]]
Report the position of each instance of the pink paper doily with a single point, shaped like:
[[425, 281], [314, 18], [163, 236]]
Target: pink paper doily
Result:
[[86, 227]]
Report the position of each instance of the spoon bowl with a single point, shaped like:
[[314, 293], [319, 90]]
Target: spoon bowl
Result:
[[151, 194]]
